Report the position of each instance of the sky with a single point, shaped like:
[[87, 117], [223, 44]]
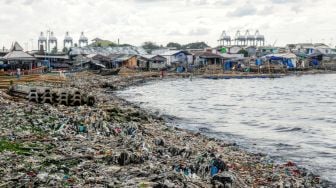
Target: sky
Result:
[[163, 21]]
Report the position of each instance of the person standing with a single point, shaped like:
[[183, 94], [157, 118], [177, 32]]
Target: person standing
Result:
[[161, 74], [18, 73]]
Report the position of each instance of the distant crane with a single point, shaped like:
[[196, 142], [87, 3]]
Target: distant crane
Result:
[[224, 39], [242, 40]]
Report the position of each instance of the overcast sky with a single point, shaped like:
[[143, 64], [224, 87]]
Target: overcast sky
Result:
[[162, 21]]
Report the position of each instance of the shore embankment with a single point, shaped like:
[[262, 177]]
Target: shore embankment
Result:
[[117, 144]]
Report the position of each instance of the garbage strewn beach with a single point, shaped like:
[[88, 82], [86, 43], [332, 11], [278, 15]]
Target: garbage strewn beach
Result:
[[116, 144]]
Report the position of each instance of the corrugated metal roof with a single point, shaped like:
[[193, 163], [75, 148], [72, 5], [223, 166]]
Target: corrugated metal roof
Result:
[[114, 56], [207, 55], [16, 47], [169, 52], [91, 55], [97, 63], [52, 56], [18, 55], [148, 56], [306, 45], [107, 51], [123, 57], [321, 45], [151, 57], [284, 55]]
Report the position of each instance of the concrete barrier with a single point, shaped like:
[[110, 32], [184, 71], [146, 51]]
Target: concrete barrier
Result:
[[73, 97], [63, 98], [76, 99], [47, 97], [33, 95]]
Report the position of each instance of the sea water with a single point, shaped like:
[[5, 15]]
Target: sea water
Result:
[[290, 118]]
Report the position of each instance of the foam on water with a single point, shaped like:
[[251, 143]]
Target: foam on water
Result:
[[292, 118]]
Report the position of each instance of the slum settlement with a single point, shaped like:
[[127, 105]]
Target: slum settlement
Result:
[[62, 124], [247, 54]]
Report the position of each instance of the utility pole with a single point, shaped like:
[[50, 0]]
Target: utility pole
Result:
[[48, 37], [26, 46], [31, 42], [47, 50]]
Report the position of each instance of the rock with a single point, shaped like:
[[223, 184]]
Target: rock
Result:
[[222, 179]]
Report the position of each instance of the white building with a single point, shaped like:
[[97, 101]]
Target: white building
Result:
[[308, 48], [323, 49]]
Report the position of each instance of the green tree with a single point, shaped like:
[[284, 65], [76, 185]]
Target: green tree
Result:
[[112, 45], [242, 51], [125, 45], [196, 45], [150, 46], [174, 45]]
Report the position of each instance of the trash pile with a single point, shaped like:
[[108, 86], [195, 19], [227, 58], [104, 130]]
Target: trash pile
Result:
[[116, 144]]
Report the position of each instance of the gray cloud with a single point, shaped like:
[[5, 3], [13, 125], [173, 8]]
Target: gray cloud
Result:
[[24, 2], [224, 2], [284, 1], [183, 21], [29, 2], [175, 33], [199, 31], [296, 9], [197, 2], [246, 10], [267, 10], [152, 1]]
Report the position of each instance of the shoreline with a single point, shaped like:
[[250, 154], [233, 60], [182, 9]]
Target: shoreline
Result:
[[138, 80], [170, 119], [145, 155]]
